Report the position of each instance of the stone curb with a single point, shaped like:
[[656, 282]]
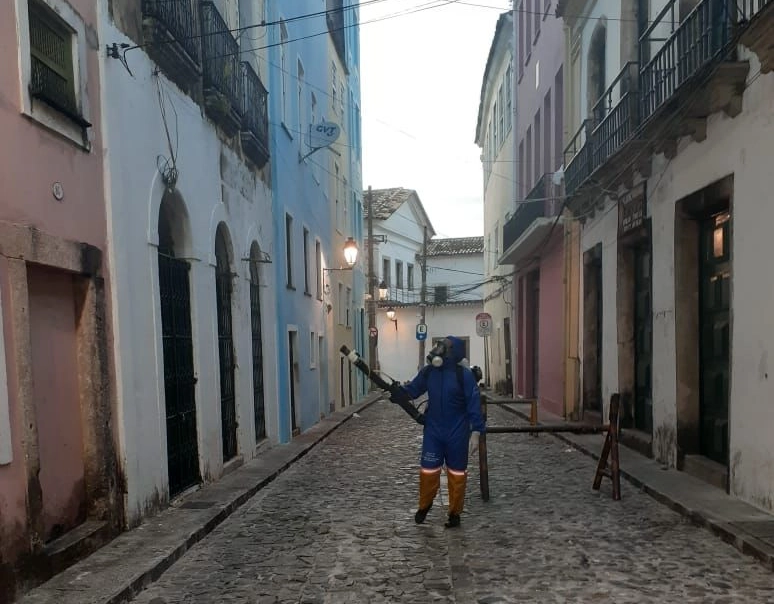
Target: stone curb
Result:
[[744, 542], [68, 587]]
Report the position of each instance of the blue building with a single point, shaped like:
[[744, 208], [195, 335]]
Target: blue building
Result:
[[313, 65]]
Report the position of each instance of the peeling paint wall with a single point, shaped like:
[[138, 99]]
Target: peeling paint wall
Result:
[[741, 147]]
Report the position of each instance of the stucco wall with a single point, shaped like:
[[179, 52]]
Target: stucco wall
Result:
[[214, 189], [742, 147], [399, 349]]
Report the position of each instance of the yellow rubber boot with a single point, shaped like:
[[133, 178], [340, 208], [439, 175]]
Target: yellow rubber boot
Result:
[[429, 483], [457, 482]]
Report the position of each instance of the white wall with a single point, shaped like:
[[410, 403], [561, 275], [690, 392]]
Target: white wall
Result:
[[133, 193], [603, 228], [399, 349], [742, 146]]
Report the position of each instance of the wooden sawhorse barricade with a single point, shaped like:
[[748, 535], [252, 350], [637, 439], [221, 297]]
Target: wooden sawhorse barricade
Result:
[[609, 449]]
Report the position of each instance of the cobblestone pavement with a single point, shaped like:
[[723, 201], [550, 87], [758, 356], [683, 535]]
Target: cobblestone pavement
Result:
[[338, 527]]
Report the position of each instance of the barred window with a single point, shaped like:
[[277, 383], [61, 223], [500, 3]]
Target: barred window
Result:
[[52, 76]]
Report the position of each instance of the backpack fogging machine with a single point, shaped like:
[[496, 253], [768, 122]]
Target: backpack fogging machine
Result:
[[397, 394]]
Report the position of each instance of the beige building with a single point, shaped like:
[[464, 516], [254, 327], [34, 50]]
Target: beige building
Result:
[[494, 135], [671, 140]]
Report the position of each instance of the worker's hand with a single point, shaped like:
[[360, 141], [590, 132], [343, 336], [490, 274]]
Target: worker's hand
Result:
[[473, 443]]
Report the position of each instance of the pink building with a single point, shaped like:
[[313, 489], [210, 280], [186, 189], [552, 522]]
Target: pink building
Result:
[[58, 466], [534, 234]]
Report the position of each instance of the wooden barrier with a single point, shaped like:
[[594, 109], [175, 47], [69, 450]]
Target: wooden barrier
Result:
[[610, 448]]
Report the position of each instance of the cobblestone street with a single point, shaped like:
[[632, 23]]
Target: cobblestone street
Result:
[[338, 527]]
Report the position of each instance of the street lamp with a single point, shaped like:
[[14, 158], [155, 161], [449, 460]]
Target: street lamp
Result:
[[350, 251], [391, 316], [383, 290]]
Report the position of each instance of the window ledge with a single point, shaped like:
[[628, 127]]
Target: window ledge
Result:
[[73, 129]]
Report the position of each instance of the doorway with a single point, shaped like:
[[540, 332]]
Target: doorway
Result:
[[259, 406], [592, 330], [714, 335], [224, 292], [293, 371], [534, 305], [177, 345], [643, 338], [508, 352]]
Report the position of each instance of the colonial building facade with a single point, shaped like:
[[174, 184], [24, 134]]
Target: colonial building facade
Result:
[[494, 135], [672, 116]]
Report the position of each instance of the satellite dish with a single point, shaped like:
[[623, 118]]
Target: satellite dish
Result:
[[323, 134]]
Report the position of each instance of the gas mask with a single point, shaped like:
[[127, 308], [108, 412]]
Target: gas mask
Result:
[[440, 351]]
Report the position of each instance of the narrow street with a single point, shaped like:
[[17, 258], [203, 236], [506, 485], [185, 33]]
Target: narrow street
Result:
[[338, 527]]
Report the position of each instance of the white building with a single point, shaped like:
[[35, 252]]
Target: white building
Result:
[[494, 134], [190, 235], [668, 171], [453, 287]]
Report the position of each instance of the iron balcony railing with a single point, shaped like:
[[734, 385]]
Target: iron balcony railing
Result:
[[255, 117], [577, 157], [179, 19], [750, 8], [539, 203], [616, 116], [220, 57], [696, 42]]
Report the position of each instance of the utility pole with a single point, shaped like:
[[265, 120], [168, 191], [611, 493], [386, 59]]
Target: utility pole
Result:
[[423, 298], [371, 284]]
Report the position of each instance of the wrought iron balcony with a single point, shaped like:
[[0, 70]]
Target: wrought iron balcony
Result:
[[255, 117], [696, 43], [616, 115], [541, 202], [578, 158], [170, 30], [221, 72]]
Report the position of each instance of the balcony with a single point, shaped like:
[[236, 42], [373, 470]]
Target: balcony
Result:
[[221, 72], [169, 29], [758, 35], [691, 72], [578, 158], [532, 222], [255, 118]]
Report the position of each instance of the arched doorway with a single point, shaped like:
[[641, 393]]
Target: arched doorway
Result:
[[177, 343], [259, 408], [224, 294]]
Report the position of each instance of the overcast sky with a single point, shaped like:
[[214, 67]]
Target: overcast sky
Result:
[[421, 80]]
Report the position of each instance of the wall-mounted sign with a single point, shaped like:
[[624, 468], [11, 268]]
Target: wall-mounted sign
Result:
[[631, 210], [323, 134], [421, 331]]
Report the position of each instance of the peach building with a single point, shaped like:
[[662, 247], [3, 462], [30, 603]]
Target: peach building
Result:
[[58, 468]]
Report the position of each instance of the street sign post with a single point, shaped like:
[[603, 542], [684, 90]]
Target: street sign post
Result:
[[421, 332], [373, 332], [483, 324]]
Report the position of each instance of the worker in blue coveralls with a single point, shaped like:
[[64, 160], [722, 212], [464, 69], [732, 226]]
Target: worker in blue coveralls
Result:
[[453, 424]]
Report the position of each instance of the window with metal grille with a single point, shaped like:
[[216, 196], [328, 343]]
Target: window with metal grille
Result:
[[52, 76], [441, 294]]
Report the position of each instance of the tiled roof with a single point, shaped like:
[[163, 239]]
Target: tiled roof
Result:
[[454, 246], [386, 201]]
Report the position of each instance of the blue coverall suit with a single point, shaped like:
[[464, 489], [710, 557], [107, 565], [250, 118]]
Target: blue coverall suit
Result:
[[452, 412]]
